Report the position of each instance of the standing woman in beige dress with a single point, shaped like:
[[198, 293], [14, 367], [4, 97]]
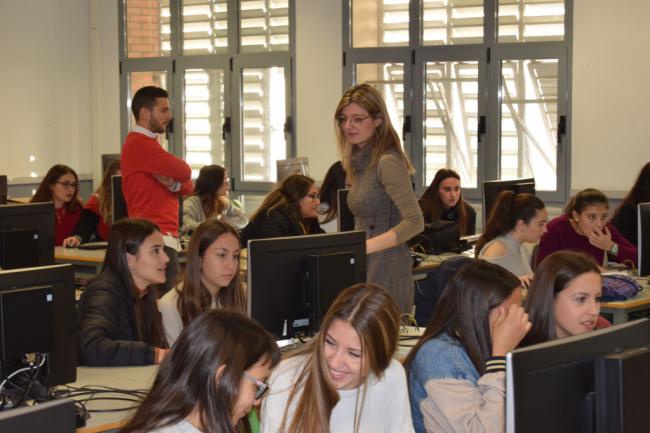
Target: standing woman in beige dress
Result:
[[381, 198]]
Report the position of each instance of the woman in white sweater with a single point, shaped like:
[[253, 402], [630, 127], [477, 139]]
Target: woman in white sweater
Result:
[[344, 380]]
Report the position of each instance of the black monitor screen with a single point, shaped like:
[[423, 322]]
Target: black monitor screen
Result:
[[58, 282], [3, 189], [51, 417], [492, 188], [643, 243], [293, 280], [117, 199], [26, 235], [552, 387]]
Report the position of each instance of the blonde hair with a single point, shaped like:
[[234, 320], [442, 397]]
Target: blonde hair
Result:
[[384, 139]]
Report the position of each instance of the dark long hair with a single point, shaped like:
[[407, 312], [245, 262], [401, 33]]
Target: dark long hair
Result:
[[187, 377], [432, 206], [552, 276], [334, 180], [195, 298], [211, 178], [508, 209], [126, 236], [464, 309], [287, 196], [640, 192], [44, 192], [586, 197], [374, 315], [104, 191]]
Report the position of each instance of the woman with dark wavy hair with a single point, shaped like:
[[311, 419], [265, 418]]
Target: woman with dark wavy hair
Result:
[[443, 200], [212, 378], [625, 218], [291, 209], [211, 278]]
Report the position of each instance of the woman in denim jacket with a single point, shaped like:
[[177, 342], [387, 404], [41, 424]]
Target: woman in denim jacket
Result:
[[456, 372]]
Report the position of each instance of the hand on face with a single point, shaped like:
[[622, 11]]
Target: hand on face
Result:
[[601, 239], [508, 326]]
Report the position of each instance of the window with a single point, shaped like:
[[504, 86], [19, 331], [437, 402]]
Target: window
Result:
[[227, 67], [488, 80]]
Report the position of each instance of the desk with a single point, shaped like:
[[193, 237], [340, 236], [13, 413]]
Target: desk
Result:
[[127, 378], [633, 308], [86, 263]]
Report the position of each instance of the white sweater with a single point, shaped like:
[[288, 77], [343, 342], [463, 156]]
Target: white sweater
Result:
[[385, 409]]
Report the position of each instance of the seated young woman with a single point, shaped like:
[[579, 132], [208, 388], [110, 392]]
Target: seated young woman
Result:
[[291, 209], [210, 200], [96, 215], [443, 200], [212, 378], [584, 227], [60, 186], [344, 379], [119, 322], [211, 278], [625, 218], [564, 298], [457, 370], [515, 219]]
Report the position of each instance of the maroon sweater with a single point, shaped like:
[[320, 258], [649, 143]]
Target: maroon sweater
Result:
[[145, 197], [561, 236]]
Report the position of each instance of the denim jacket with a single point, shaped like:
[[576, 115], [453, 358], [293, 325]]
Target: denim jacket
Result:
[[447, 393]]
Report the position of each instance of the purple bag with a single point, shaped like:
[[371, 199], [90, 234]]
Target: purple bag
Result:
[[619, 288]]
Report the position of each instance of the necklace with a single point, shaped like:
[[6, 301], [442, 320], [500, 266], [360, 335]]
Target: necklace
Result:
[[60, 213]]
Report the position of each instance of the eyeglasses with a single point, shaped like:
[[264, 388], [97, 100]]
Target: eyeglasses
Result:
[[354, 120], [68, 185], [313, 196], [260, 387]]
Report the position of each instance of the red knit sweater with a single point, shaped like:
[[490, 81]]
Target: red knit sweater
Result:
[[145, 197]]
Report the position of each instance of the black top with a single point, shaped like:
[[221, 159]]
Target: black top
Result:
[[626, 222], [277, 224], [108, 334], [452, 215], [87, 226]]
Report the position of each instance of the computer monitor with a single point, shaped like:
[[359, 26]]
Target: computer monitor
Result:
[[287, 167], [57, 416], [3, 189], [26, 235], [118, 204], [344, 216], [293, 280], [560, 386], [57, 283], [643, 240], [492, 188], [107, 159]]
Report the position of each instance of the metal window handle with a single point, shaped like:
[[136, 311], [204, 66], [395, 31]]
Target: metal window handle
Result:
[[561, 129], [481, 127], [225, 128], [406, 127]]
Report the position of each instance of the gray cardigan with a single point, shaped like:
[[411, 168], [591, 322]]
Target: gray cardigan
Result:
[[193, 215]]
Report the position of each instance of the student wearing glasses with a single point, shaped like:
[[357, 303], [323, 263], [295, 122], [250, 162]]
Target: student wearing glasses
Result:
[[291, 209], [345, 379], [211, 379], [60, 186], [381, 197]]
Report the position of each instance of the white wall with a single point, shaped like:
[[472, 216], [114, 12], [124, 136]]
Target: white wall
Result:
[[45, 86], [610, 136]]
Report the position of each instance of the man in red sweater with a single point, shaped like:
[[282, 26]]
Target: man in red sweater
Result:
[[152, 178]]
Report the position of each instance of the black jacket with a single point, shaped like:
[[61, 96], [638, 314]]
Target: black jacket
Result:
[[108, 333], [277, 224]]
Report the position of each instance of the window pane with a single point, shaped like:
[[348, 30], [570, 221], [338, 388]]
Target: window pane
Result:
[[528, 134], [530, 20], [147, 28], [204, 118], [452, 22], [451, 112], [380, 23], [388, 78], [264, 25], [263, 115], [205, 26], [141, 79]]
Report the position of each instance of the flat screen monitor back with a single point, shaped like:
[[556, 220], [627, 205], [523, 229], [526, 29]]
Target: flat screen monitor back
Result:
[[33, 216], [550, 386], [57, 416], [287, 167], [643, 241], [107, 159], [62, 362], [492, 188], [278, 283], [344, 216], [118, 208], [3, 189]]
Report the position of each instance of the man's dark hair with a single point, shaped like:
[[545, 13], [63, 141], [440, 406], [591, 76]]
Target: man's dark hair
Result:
[[146, 97]]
